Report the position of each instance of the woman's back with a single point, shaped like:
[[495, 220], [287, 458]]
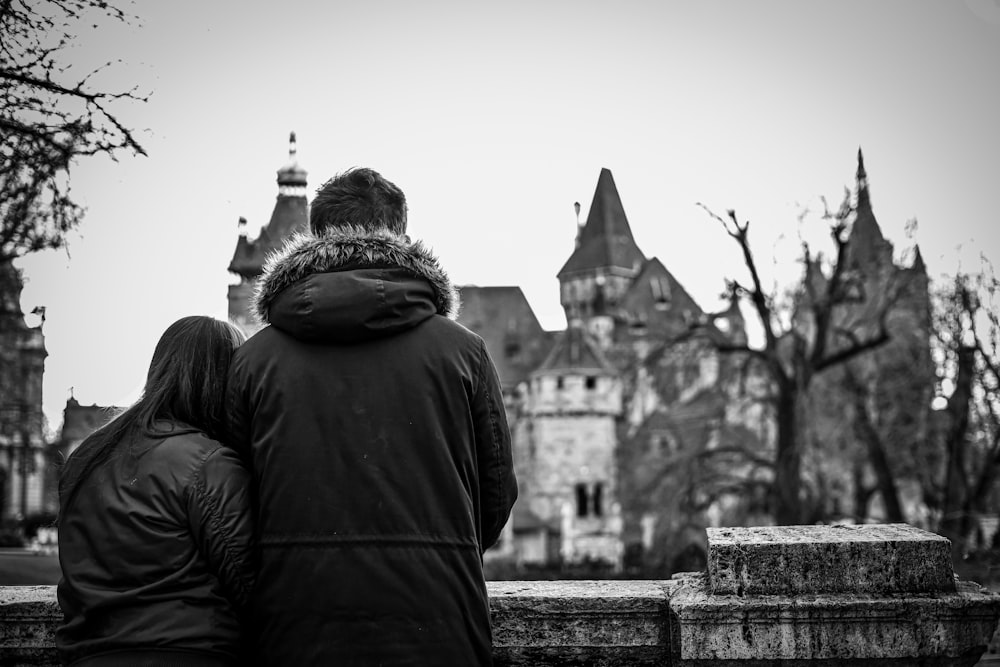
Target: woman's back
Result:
[[155, 550]]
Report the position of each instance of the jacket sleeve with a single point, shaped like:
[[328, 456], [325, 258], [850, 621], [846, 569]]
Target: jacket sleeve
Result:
[[497, 483], [221, 521]]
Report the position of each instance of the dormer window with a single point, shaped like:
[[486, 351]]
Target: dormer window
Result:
[[661, 292]]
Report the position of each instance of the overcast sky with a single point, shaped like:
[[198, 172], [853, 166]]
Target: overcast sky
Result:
[[494, 118]]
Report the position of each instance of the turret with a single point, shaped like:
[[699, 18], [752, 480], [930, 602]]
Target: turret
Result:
[[604, 262], [290, 216]]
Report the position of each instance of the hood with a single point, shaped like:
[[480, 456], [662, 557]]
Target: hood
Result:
[[351, 284]]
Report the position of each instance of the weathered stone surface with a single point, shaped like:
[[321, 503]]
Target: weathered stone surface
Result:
[[580, 622], [949, 628], [866, 559], [28, 618], [676, 622]]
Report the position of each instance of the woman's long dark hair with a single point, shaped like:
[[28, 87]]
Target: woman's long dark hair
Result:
[[184, 392]]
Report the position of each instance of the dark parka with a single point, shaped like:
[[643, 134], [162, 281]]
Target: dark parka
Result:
[[156, 554], [380, 454]]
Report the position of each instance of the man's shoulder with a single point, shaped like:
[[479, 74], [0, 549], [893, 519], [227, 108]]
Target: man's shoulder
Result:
[[450, 332]]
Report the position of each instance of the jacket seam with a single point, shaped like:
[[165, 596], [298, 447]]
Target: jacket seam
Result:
[[494, 432], [230, 561], [335, 541]]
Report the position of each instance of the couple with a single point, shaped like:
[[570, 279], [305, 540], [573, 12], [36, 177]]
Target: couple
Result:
[[321, 494]]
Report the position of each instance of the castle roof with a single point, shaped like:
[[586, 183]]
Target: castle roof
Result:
[[659, 298], [504, 319], [605, 241], [576, 350], [866, 244], [290, 215], [79, 421]]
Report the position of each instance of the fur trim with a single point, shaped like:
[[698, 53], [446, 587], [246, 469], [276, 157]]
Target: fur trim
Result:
[[304, 254]]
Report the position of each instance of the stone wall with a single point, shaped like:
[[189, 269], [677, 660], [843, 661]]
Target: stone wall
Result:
[[796, 596]]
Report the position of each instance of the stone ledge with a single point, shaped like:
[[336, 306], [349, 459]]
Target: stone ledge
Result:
[[677, 622], [943, 628], [580, 622], [865, 559], [863, 607]]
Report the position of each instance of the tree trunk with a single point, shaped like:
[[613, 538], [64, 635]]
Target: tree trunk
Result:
[[886, 482], [955, 518], [788, 468]]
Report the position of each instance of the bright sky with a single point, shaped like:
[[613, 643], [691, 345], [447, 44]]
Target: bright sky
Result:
[[494, 118]]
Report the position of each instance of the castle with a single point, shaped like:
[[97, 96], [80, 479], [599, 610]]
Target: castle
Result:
[[22, 445], [631, 430]]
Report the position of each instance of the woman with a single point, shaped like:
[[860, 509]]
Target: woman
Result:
[[155, 523]]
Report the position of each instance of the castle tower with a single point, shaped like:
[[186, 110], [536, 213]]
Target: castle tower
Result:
[[574, 403], [22, 361], [290, 215], [603, 265]]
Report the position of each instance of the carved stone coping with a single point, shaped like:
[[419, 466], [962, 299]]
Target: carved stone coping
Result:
[[677, 622]]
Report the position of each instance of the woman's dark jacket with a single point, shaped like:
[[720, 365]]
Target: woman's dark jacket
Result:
[[155, 550], [380, 454]]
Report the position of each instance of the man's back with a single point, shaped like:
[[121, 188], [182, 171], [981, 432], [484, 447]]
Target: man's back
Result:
[[381, 457]]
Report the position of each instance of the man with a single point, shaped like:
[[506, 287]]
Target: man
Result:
[[380, 450]]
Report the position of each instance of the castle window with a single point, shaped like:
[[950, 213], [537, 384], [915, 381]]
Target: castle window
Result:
[[511, 348], [589, 499], [559, 382], [581, 500], [591, 382]]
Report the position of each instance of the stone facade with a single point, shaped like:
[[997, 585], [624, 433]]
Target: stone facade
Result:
[[22, 444]]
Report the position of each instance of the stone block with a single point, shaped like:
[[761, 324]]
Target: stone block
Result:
[[28, 619], [887, 559], [579, 622], [951, 628]]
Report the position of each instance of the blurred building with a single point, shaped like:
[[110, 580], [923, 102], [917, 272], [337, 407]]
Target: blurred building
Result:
[[605, 414], [290, 216], [22, 443]]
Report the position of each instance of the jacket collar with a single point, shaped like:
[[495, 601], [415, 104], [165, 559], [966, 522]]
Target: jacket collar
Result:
[[350, 247]]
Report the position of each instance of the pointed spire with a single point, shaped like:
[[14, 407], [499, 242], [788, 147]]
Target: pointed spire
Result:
[[605, 240], [918, 261], [606, 218], [864, 201], [866, 243]]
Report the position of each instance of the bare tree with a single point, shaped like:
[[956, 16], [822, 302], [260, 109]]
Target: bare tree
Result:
[[50, 117], [968, 339], [831, 322]]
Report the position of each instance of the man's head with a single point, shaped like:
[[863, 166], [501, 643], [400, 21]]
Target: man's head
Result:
[[360, 197]]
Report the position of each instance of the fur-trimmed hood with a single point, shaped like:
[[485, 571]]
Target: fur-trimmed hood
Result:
[[350, 285], [350, 247]]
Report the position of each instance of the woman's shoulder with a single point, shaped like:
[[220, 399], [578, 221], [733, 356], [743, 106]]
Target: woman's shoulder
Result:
[[178, 443]]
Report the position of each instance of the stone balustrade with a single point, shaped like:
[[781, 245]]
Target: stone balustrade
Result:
[[789, 596]]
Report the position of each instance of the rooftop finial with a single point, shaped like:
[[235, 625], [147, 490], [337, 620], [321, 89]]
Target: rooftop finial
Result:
[[242, 226], [291, 147]]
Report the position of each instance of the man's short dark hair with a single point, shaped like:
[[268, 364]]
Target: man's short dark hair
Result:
[[360, 197]]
